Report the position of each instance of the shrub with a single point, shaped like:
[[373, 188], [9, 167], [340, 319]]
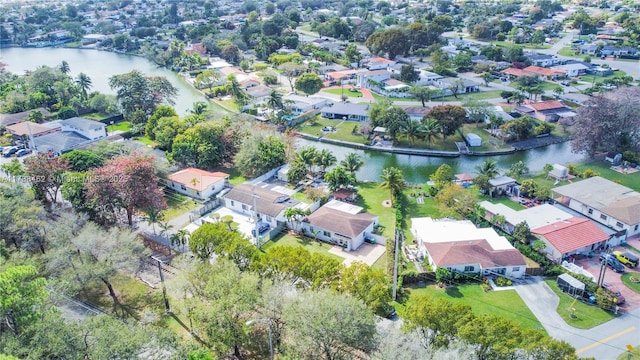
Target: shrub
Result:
[[554, 271], [589, 173], [260, 66], [502, 281], [485, 286]]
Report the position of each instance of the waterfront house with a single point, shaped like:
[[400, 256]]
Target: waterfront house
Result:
[[270, 205], [550, 111], [346, 111]]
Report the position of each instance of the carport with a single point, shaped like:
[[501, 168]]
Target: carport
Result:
[[570, 285]]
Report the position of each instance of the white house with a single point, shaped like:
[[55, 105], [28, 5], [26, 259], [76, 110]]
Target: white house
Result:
[[535, 217], [462, 247], [196, 183], [90, 129], [367, 79], [604, 201], [571, 236], [302, 104], [378, 63], [270, 205], [473, 139], [340, 223], [573, 70], [346, 111]]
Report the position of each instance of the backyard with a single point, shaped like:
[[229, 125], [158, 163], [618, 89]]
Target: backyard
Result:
[[346, 91], [313, 246], [344, 130], [505, 303], [177, 205], [585, 316], [371, 199], [121, 126]]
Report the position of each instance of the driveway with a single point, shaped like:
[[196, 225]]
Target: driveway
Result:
[[366, 253], [613, 279]]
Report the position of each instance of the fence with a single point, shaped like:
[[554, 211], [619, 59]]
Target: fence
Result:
[[203, 209]]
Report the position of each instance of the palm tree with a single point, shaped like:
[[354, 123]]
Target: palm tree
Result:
[[392, 179], [294, 215], [412, 130], [84, 84], [234, 89], [153, 216], [275, 101], [488, 168], [352, 163], [199, 108], [325, 158], [64, 67], [431, 129], [180, 238], [308, 155]]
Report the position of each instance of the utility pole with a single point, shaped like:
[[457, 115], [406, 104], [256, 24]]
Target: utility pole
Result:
[[255, 217], [167, 309], [603, 267], [395, 265]]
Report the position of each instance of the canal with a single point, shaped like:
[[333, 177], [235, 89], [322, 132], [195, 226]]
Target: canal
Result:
[[100, 65]]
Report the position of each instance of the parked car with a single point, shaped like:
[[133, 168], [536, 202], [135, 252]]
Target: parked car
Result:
[[370, 239], [618, 297], [612, 262], [626, 258], [7, 152], [262, 228], [565, 83], [23, 152]]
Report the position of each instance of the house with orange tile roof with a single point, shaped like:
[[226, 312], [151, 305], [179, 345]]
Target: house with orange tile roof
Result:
[[542, 73], [550, 111], [572, 236], [196, 183], [378, 63], [25, 129]]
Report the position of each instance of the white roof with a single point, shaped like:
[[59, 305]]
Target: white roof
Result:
[[501, 180], [429, 230], [535, 217], [344, 207], [473, 136], [571, 67]]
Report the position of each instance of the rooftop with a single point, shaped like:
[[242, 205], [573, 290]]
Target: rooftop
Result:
[[571, 234], [268, 202], [26, 128], [473, 252], [546, 105], [347, 109], [429, 230], [535, 217], [331, 217], [197, 179]]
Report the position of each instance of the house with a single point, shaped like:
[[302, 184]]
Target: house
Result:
[[258, 94], [570, 237], [92, 130], [589, 49], [543, 60], [604, 201], [377, 63], [196, 183], [462, 247], [26, 129], [346, 111], [340, 223], [573, 70], [301, 104], [10, 119], [372, 78], [535, 217], [269, 204], [416, 113], [550, 111], [428, 78], [502, 185], [601, 71], [473, 139], [467, 86], [344, 195], [69, 134], [543, 73]]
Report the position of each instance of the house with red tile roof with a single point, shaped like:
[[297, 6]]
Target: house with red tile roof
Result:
[[571, 236], [378, 63], [542, 73], [196, 183], [550, 111], [462, 247]]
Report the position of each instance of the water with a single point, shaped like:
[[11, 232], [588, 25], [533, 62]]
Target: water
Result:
[[100, 65]]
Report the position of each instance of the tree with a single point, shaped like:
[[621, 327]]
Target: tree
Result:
[[518, 169], [478, 110], [308, 155], [324, 159], [352, 163], [259, 154], [391, 117], [393, 181], [294, 215], [234, 89], [528, 188], [327, 325], [339, 178], [368, 284], [547, 169], [275, 101], [558, 91], [309, 83], [606, 122], [455, 87], [486, 78], [290, 70], [179, 238], [462, 61], [127, 183], [82, 160], [64, 67], [135, 91], [454, 201], [393, 42], [409, 74], [83, 81], [88, 253], [489, 168], [538, 37], [207, 144], [160, 112], [412, 130], [431, 128], [521, 232], [443, 175], [207, 80], [207, 239], [352, 54], [47, 175], [13, 169], [450, 118], [423, 94], [22, 297]]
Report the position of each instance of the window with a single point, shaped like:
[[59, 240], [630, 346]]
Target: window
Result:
[[468, 268], [268, 218], [635, 228], [233, 203], [515, 268], [326, 233], [245, 207], [603, 216], [183, 187], [619, 224], [590, 211]]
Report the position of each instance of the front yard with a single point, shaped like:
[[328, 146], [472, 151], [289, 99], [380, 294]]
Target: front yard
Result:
[[586, 316], [505, 303], [631, 280], [178, 205], [313, 246]]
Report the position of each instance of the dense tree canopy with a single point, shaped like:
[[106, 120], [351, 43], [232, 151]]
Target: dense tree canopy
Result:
[[135, 91]]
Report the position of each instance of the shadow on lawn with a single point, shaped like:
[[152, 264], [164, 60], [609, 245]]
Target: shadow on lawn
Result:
[[454, 292]]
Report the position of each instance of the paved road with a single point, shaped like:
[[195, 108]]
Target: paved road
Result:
[[602, 342]]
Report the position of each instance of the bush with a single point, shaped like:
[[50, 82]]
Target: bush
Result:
[[502, 281], [126, 135], [486, 287], [554, 271], [260, 66]]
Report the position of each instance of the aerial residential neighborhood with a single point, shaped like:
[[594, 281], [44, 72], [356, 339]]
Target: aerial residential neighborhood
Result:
[[305, 179]]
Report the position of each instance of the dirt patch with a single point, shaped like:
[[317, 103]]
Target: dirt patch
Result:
[[387, 203]]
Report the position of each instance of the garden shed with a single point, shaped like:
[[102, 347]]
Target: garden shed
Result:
[[570, 285], [473, 140]]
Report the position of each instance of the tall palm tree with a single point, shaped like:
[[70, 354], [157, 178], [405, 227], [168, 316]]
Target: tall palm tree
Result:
[[64, 67], [83, 81], [352, 163], [234, 89], [431, 129], [199, 108], [275, 100], [488, 168], [180, 238], [392, 180], [325, 158], [308, 156]]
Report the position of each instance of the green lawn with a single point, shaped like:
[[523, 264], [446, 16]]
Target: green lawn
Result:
[[344, 130], [503, 200], [227, 104], [380, 97], [371, 198], [177, 205], [121, 126], [566, 51], [286, 239], [505, 303], [145, 140], [489, 143], [354, 94], [604, 169], [235, 178], [509, 44], [633, 285], [96, 116], [589, 79], [587, 316]]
